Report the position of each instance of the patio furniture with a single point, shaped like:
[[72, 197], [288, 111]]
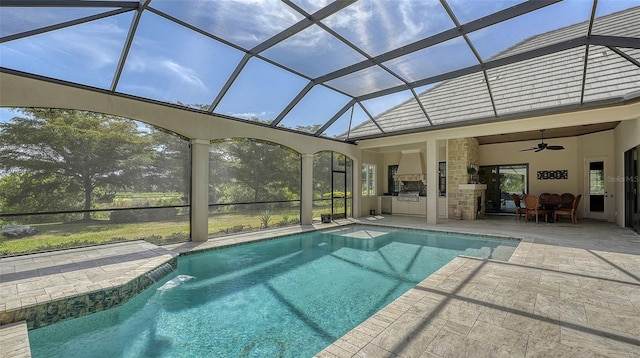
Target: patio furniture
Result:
[[532, 207], [572, 212], [566, 200], [543, 197], [552, 201], [519, 209]]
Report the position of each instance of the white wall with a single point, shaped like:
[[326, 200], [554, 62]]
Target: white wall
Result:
[[368, 203], [510, 153], [594, 146], [572, 158]]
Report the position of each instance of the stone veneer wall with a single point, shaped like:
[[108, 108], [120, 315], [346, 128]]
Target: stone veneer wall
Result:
[[468, 202], [461, 153]]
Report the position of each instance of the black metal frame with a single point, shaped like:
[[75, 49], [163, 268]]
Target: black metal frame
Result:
[[460, 30], [9, 215], [497, 184]]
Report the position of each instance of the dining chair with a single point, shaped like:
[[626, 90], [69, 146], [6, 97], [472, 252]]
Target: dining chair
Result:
[[566, 200], [551, 202], [543, 197], [571, 212], [531, 204], [519, 209]]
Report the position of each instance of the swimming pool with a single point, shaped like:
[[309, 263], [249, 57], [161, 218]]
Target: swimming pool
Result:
[[287, 297]]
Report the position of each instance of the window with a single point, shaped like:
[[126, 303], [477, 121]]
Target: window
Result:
[[394, 185], [442, 178], [596, 178], [368, 180]]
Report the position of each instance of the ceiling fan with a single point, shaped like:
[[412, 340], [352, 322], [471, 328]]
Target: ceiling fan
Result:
[[542, 145]]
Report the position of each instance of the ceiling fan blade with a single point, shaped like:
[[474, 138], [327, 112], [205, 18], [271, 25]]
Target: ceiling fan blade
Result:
[[542, 145]]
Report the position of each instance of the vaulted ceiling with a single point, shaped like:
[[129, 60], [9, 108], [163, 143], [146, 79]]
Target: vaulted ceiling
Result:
[[345, 70]]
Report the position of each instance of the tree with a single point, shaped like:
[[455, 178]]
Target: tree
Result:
[[311, 128], [260, 171], [24, 193], [322, 174], [170, 165], [90, 149]]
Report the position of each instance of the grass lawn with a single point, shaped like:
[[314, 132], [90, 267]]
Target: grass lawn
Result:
[[64, 235], [53, 236]]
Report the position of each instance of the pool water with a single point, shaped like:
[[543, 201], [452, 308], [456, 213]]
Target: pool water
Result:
[[287, 297]]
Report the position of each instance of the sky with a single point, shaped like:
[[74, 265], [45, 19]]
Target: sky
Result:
[[169, 62]]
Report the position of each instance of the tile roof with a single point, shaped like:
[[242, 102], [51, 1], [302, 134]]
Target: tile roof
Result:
[[550, 81]]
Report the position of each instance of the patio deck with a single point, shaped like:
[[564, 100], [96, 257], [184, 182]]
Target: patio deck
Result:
[[568, 290]]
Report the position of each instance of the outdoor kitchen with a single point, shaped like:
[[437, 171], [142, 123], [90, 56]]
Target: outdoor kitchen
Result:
[[411, 197], [456, 195]]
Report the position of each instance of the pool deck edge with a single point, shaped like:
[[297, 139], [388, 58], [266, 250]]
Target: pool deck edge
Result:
[[567, 290], [46, 288], [14, 340]]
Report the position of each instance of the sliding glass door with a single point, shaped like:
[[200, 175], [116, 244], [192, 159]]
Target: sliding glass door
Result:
[[503, 181], [632, 188]]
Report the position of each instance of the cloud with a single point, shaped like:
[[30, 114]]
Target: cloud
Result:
[[379, 26], [99, 42], [185, 74], [252, 21]]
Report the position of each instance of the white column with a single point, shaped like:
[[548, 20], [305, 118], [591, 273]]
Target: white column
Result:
[[199, 190], [432, 181], [306, 196], [356, 189]]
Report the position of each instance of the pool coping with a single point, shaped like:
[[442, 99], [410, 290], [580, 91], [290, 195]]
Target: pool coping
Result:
[[14, 340], [86, 298]]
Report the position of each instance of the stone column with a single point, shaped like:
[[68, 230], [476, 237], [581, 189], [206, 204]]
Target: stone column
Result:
[[199, 190], [468, 200], [461, 153]]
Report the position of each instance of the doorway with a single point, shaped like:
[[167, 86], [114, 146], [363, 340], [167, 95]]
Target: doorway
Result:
[[632, 189], [341, 185], [503, 181], [332, 185], [597, 191]]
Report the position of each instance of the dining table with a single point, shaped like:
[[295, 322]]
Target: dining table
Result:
[[550, 203]]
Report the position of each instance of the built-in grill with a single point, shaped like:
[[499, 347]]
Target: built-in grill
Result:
[[409, 196]]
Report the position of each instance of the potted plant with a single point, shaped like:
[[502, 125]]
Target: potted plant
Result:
[[473, 177], [326, 218]]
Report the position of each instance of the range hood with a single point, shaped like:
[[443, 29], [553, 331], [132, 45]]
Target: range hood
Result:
[[411, 167]]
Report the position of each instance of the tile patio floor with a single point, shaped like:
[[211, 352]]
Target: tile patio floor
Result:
[[568, 290]]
